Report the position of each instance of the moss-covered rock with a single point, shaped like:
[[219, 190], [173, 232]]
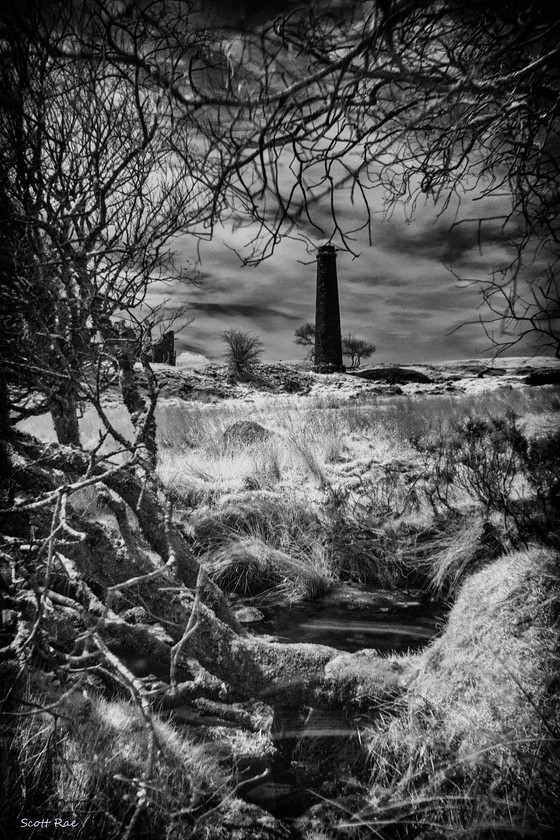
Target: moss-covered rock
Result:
[[394, 375]]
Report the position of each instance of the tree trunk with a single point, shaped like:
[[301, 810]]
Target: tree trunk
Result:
[[5, 430], [34, 460], [64, 412], [129, 388], [291, 675]]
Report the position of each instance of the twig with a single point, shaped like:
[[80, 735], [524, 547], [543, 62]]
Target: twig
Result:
[[68, 488], [192, 625], [55, 528]]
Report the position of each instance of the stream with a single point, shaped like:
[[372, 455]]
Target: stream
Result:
[[314, 746], [313, 749], [352, 618]]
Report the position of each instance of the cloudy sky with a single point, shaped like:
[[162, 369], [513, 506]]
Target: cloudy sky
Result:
[[401, 292], [398, 293]]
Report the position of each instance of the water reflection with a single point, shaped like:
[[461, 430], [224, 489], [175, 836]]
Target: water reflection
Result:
[[350, 624]]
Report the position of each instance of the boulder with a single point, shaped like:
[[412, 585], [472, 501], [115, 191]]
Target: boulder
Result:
[[238, 820], [394, 376], [245, 433], [550, 376], [248, 615]]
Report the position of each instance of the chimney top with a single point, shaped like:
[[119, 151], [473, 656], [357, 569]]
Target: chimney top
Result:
[[326, 249]]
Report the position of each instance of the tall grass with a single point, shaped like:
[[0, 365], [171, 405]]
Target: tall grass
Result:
[[84, 762], [365, 472], [183, 425], [250, 566], [387, 508], [263, 544], [473, 747]]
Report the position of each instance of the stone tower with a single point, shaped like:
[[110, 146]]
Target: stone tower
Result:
[[328, 341]]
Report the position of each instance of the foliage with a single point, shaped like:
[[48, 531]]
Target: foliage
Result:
[[243, 352], [493, 461], [357, 349], [305, 336]]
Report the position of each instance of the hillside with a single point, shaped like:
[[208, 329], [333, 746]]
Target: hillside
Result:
[[471, 376]]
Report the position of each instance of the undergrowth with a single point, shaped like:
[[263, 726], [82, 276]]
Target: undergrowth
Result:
[[415, 492], [423, 492], [82, 760], [473, 746]]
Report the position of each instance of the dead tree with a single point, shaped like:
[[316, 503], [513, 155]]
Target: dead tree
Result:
[[96, 570], [97, 178]]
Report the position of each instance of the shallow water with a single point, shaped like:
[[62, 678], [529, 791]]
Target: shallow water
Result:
[[353, 618]]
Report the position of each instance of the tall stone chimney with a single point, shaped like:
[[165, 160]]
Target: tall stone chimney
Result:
[[328, 341]]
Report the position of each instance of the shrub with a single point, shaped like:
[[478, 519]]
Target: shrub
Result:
[[243, 352], [494, 463], [305, 336]]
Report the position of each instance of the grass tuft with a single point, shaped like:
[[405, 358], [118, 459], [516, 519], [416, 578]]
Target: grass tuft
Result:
[[473, 746], [84, 762], [248, 566]]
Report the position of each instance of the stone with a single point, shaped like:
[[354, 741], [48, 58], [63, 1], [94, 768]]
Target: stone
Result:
[[248, 615], [235, 819], [550, 376], [135, 615], [394, 375], [245, 433], [332, 818]]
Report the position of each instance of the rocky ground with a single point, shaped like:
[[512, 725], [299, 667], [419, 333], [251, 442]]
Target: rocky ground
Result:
[[471, 376]]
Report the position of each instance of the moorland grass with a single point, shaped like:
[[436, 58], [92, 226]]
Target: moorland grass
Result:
[[250, 566], [87, 761], [368, 475], [473, 748], [343, 491], [365, 471]]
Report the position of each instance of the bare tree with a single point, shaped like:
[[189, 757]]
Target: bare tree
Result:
[[98, 176], [405, 101], [389, 101], [121, 127]]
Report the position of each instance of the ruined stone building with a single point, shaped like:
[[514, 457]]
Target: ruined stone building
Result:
[[163, 351]]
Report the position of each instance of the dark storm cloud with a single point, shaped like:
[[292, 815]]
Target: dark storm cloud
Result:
[[262, 315], [436, 242], [443, 239], [398, 293]]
